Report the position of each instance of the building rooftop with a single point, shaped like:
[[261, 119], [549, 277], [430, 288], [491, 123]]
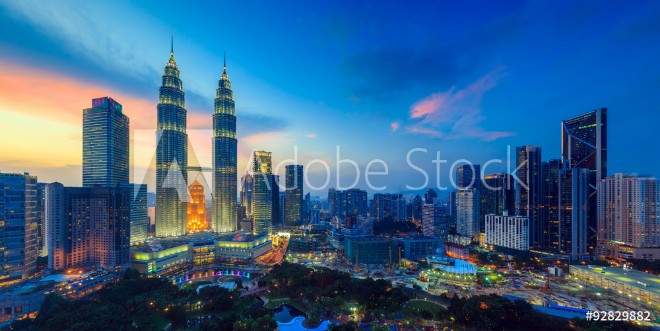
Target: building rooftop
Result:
[[197, 239], [635, 278]]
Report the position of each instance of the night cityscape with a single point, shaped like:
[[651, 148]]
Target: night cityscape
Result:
[[311, 166]]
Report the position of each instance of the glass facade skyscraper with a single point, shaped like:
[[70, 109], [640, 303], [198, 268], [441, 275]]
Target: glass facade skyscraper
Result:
[[224, 158], [584, 145], [18, 226], [573, 212], [262, 201], [550, 208], [171, 155], [105, 144], [529, 191], [293, 200]]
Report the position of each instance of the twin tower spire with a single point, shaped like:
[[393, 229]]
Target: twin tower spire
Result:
[[172, 156]]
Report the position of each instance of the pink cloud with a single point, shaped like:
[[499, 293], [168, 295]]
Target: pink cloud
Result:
[[456, 114], [394, 126], [312, 135]]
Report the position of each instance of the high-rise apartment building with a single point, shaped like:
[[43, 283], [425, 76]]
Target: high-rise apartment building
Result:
[[507, 233], [629, 217], [88, 226], [467, 212]]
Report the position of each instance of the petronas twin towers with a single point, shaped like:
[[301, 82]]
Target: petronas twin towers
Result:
[[172, 156]]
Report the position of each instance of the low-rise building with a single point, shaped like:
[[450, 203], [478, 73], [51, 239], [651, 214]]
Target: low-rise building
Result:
[[167, 256], [370, 250], [417, 247], [632, 285]]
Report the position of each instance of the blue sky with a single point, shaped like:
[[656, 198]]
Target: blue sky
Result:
[[375, 78]]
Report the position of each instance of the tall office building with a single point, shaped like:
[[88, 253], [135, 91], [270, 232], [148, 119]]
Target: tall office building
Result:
[[196, 208], [573, 212], [435, 221], [171, 155], [18, 225], [350, 202], [430, 196], [262, 201], [496, 195], [139, 221], [105, 144], [307, 202], [225, 157], [584, 145], [550, 203], [388, 205], [275, 190], [88, 226], [629, 217], [467, 212], [282, 205], [42, 248], [529, 191], [293, 200], [416, 208], [468, 175], [247, 194]]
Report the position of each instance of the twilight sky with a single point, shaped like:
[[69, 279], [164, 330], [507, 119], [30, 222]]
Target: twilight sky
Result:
[[375, 78]]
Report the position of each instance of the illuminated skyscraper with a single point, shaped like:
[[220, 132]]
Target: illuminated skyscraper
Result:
[[529, 191], [89, 226], [468, 175], [293, 200], [629, 217], [584, 145], [224, 157], [171, 155], [497, 195], [18, 225], [105, 144], [467, 212], [551, 171], [196, 208], [573, 212], [262, 203]]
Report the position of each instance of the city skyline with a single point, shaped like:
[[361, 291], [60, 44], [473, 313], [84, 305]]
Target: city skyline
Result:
[[276, 111]]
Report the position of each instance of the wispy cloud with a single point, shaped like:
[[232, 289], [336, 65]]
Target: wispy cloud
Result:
[[84, 28], [312, 135], [394, 126], [455, 114]]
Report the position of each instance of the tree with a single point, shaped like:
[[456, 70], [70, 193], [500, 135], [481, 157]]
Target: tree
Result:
[[177, 316]]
